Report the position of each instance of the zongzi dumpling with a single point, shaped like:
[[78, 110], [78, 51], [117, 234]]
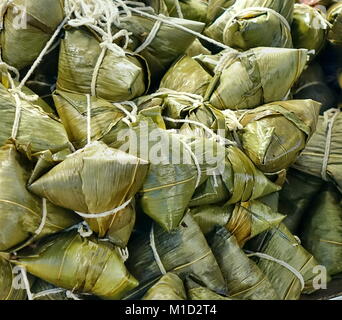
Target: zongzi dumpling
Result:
[[273, 135], [288, 266], [296, 196], [243, 220], [309, 28], [285, 8], [37, 130], [81, 181], [243, 277], [234, 80], [257, 27], [119, 78], [322, 156], [182, 251], [322, 233], [27, 27], [22, 216], [83, 265]]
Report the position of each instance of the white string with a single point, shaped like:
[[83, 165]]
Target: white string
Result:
[[195, 99], [47, 292], [248, 10], [104, 214], [43, 52], [130, 115], [43, 221], [193, 156], [215, 180], [313, 83], [17, 94], [178, 9], [69, 294], [329, 120], [81, 230], [155, 252], [217, 138], [299, 242], [164, 19], [282, 263], [233, 123], [26, 283], [150, 37], [10, 68]]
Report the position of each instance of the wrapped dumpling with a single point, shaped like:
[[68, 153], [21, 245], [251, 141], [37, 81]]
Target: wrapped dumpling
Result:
[[119, 77], [37, 130], [274, 135], [27, 27], [22, 216], [309, 28], [82, 265], [81, 181], [253, 28], [234, 80], [322, 155], [216, 30], [183, 251]]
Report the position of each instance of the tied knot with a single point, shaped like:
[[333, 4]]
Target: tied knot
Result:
[[232, 121], [23, 96], [107, 44], [81, 21], [131, 116]]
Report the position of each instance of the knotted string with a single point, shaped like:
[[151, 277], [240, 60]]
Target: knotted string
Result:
[[217, 138], [233, 122], [195, 99], [17, 91], [131, 117]]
